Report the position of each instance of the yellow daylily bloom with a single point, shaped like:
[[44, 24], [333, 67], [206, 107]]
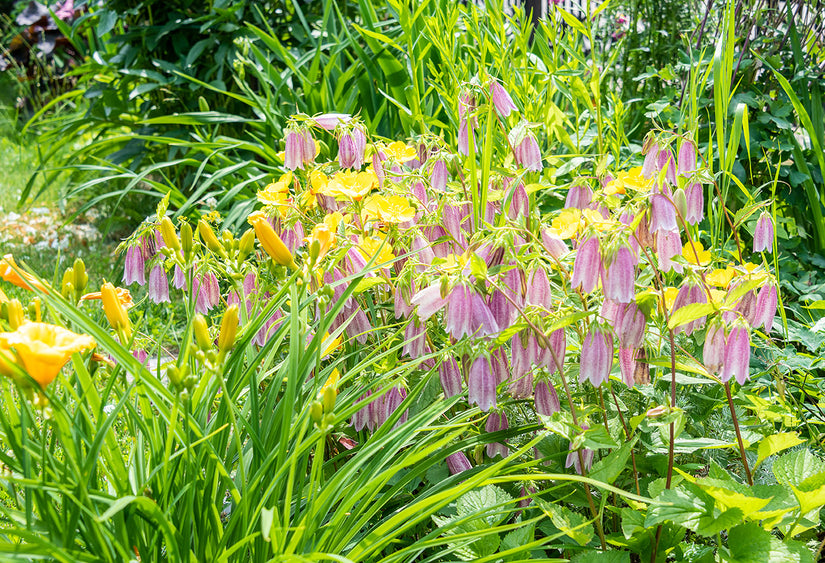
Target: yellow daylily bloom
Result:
[[333, 378], [750, 267], [41, 350], [123, 296], [12, 273], [566, 223], [399, 151], [331, 345], [370, 247], [276, 193], [325, 236], [391, 209], [625, 180], [347, 184], [670, 297], [721, 278], [700, 257]]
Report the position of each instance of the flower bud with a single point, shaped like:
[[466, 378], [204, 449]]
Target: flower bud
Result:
[[81, 279], [316, 411], [269, 239], [67, 285], [247, 244], [14, 310], [229, 329], [187, 240], [209, 238], [680, 202], [201, 330], [170, 237], [328, 398], [458, 462], [115, 312]]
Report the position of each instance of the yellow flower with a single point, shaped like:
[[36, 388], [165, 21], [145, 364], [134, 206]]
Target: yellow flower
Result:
[[347, 184], [717, 295], [703, 258], [370, 247], [330, 346], [566, 223], [333, 378], [277, 193], [392, 209], [324, 234], [750, 267], [270, 240], [670, 297], [11, 272], [627, 180], [41, 350], [721, 278], [399, 151], [123, 296], [115, 311]]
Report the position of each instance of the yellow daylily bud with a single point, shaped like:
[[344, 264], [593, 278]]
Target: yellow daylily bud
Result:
[[170, 237], [15, 312], [209, 238], [187, 240], [270, 240], [115, 312], [229, 329], [67, 285], [316, 411], [328, 398], [81, 279], [201, 330], [247, 244]]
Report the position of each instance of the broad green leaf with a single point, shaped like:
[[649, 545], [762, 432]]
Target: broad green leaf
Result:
[[690, 313], [481, 501], [811, 493], [776, 443], [796, 467], [574, 525], [610, 556], [749, 543], [606, 470], [727, 499], [686, 506], [597, 437]]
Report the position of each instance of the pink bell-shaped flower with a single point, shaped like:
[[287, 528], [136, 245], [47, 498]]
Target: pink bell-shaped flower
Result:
[[351, 147], [627, 365], [689, 294], [496, 422], [134, 266], [596, 356], [457, 463], [668, 246], [527, 154], [439, 175], [587, 265], [573, 459], [553, 244], [579, 197], [662, 214], [393, 400], [294, 150], [737, 353], [450, 377], [481, 384], [695, 199], [619, 277], [428, 301], [766, 303], [501, 99], [687, 158], [713, 352], [546, 399], [763, 234], [538, 288], [460, 312], [630, 326], [158, 285], [415, 341]]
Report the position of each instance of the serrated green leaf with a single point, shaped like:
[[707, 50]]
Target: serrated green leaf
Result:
[[572, 524], [776, 443], [481, 501], [795, 467], [611, 556], [606, 470], [597, 437], [811, 493], [749, 543]]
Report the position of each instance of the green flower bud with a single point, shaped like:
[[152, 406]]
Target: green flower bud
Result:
[[201, 329]]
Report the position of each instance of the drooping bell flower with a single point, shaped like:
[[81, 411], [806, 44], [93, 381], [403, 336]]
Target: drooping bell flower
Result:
[[737, 353], [133, 269], [329, 121], [522, 356], [574, 461], [268, 328], [695, 199], [294, 150], [309, 150], [351, 147], [453, 217], [553, 244], [450, 377], [501, 99], [651, 162], [763, 234], [553, 357], [746, 306], [527, 154], [668, 245], [361, 416], [619, 277], [687, 158], [713, 352], [465, 131], [377, 412], [662, 214], [766, 303], [538, 288], [439, 175], [460, 311], [627, 365], [596, 356], [689, 294], [481, 384], [587, 265], [499, 366], [393, 400], [158, 285], [496, 422], [521, 387], [457, 463], [546, 399], [415, 341], [207, 294], [378, 167], [519, 203], [630, 326], [579, 197], [502, 309], [667, 162], [483, 323]]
